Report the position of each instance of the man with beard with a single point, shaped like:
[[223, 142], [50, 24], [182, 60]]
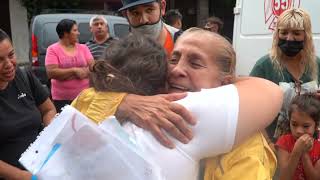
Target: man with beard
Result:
[[144, 16], [101, 37]]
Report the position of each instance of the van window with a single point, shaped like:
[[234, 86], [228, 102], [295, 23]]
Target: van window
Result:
[[50, 35], [85, 34], [121, 30]]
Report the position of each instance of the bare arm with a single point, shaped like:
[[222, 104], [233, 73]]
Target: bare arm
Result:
[[287, 163], [155, 113], [260, 102], [48, 111], [54, 72], [10, 172], [312, 172]]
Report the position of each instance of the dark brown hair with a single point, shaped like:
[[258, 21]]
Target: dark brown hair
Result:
[[215, 20], [135, 64], [4, 36], [65, 26], [172, 16], [307, 103]]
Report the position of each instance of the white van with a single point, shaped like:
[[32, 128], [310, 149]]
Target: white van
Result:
[[254, 23]]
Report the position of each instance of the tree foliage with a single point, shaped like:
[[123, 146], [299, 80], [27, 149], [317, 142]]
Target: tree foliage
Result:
[[35, 7]]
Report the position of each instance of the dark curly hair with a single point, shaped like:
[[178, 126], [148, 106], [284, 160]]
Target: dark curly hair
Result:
[[135, 64], [309, 104]]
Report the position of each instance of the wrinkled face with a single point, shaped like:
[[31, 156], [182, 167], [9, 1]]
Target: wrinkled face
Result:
[[73, 36], [99, 28], [301, 123], [192, 65], [291, 34], [145, 14], [7, 61]]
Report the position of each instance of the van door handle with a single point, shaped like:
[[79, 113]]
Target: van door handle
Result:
[[236, 10]]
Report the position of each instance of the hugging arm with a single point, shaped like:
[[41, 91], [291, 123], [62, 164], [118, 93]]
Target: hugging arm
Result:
[[260, 101]]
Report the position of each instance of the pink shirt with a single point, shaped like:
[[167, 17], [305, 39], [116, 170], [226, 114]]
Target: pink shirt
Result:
[[68, 89]]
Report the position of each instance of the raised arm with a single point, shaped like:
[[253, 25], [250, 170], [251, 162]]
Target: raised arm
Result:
[[260, 101]]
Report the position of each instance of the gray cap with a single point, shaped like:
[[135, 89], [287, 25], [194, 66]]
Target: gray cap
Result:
[[131, 3]]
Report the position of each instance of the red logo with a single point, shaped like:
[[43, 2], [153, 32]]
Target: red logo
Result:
[[274, 8]]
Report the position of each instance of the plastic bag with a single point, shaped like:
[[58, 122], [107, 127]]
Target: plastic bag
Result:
[[84, 151]]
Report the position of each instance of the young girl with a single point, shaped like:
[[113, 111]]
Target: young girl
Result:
[[299, 151]]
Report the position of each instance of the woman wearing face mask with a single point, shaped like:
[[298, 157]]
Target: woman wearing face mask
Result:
[[144, 17], [292, 60]]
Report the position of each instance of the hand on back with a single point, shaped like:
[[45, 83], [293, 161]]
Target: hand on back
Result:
[[158, 114]]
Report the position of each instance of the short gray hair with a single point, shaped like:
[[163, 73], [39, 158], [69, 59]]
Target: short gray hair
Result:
[[98, 17]]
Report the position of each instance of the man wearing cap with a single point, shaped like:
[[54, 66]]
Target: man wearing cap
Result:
[[101, 38], [144, 16]]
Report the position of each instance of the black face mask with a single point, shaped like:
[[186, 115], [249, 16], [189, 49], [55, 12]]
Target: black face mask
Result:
[[290, 48]]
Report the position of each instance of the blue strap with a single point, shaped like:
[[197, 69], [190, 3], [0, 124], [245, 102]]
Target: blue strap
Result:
[[53, 150], [34, 177]]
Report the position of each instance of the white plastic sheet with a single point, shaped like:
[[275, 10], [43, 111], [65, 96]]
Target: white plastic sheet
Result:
[[74, 148], [85, 152]]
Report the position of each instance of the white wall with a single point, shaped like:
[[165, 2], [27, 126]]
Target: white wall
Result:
[[19, 30]]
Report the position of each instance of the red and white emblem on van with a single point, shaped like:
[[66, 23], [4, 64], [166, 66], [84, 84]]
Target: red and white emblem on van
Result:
[[274, 8]]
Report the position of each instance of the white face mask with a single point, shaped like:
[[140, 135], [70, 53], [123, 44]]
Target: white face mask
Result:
[[151, 30]]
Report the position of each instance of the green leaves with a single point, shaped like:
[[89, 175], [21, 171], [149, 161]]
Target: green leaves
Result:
[[35, 7]]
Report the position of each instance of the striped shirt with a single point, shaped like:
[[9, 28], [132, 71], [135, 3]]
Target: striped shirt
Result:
[[98, 49]]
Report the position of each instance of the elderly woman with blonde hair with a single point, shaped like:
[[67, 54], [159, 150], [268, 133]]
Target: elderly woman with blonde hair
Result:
[[292, 61]]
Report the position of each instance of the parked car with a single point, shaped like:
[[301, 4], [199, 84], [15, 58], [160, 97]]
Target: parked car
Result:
[[43, 34]]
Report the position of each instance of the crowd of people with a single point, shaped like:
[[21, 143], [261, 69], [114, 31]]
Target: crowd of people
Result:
[[140, 79]]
